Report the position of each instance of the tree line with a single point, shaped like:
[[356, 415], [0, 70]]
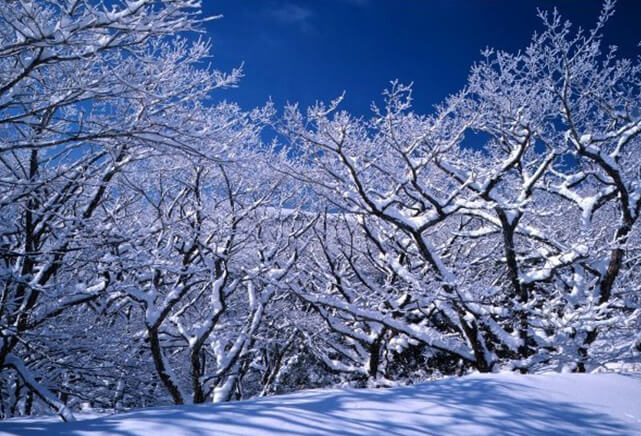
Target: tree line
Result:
[[155, 249]]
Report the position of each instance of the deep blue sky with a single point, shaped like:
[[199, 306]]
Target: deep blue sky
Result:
[[307, 50]]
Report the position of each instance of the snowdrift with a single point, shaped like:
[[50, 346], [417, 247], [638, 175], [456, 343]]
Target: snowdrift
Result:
[[496, 404]]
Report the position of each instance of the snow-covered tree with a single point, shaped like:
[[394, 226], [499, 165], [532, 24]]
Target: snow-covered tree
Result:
[[501, 229], [215, 243], [85, 90]]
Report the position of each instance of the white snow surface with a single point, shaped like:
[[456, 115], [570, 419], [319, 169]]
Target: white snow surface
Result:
[[494, 404]]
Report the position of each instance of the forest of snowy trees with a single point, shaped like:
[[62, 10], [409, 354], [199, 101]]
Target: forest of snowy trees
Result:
[[156, 249]]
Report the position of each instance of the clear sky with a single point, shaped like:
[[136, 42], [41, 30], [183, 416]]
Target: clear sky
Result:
[[307, 50]]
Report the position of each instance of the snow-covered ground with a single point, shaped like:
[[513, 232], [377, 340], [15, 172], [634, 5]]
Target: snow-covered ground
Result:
[[498, 404]]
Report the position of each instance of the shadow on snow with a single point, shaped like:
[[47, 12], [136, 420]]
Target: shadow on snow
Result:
[[460, 406]]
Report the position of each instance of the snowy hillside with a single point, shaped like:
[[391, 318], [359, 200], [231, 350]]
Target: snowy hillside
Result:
[[504, 404]]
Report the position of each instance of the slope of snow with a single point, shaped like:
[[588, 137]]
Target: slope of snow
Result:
[[497, 404]]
